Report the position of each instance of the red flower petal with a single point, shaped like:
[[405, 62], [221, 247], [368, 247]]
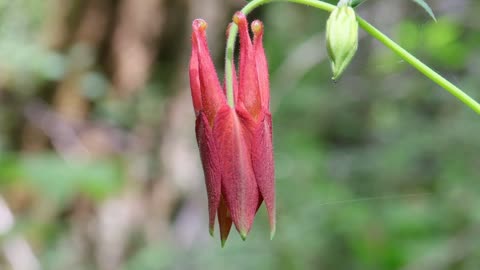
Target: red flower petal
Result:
[[195, 87], [224, 220], [232, 132], [248, 90], [263, 166], [261, 64], [211, 166], [212, 97]]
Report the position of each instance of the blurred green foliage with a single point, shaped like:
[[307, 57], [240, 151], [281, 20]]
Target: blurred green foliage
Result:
[[378, 171]]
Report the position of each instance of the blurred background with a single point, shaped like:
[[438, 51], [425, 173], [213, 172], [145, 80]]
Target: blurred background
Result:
[[99, 167]]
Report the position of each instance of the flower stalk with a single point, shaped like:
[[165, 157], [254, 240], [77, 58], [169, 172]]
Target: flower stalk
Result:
[[370, 29]]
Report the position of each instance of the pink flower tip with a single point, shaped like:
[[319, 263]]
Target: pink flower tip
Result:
[[257, 27], [239, 18], [199, 25]]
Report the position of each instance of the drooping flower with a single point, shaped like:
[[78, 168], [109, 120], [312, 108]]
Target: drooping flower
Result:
[[235, 142]]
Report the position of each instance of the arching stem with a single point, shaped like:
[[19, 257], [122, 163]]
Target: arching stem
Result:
[[374, 32]]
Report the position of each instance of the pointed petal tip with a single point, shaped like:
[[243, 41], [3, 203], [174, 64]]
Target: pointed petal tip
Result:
[[243, 235], [211, 231], [199, 25], [223, 241], [272, 232]]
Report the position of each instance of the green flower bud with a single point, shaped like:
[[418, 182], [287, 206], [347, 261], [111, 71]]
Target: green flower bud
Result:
[[342, 38]]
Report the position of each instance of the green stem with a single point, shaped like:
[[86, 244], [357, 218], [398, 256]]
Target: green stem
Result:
[[420, 66], [229, 64], [408, 57]]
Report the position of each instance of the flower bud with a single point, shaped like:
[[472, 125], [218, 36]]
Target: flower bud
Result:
[[342, 38]]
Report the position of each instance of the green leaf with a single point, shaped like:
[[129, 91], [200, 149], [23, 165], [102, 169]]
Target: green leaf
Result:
[[357, 2], [421, 3], [426, 7]]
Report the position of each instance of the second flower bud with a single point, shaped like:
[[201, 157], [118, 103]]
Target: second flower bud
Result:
[[342, 38]]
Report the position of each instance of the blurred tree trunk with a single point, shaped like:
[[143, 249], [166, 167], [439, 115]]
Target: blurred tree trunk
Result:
[[129, 40]]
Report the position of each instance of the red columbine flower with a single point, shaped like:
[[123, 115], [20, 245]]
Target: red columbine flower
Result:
[[235, 143]]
